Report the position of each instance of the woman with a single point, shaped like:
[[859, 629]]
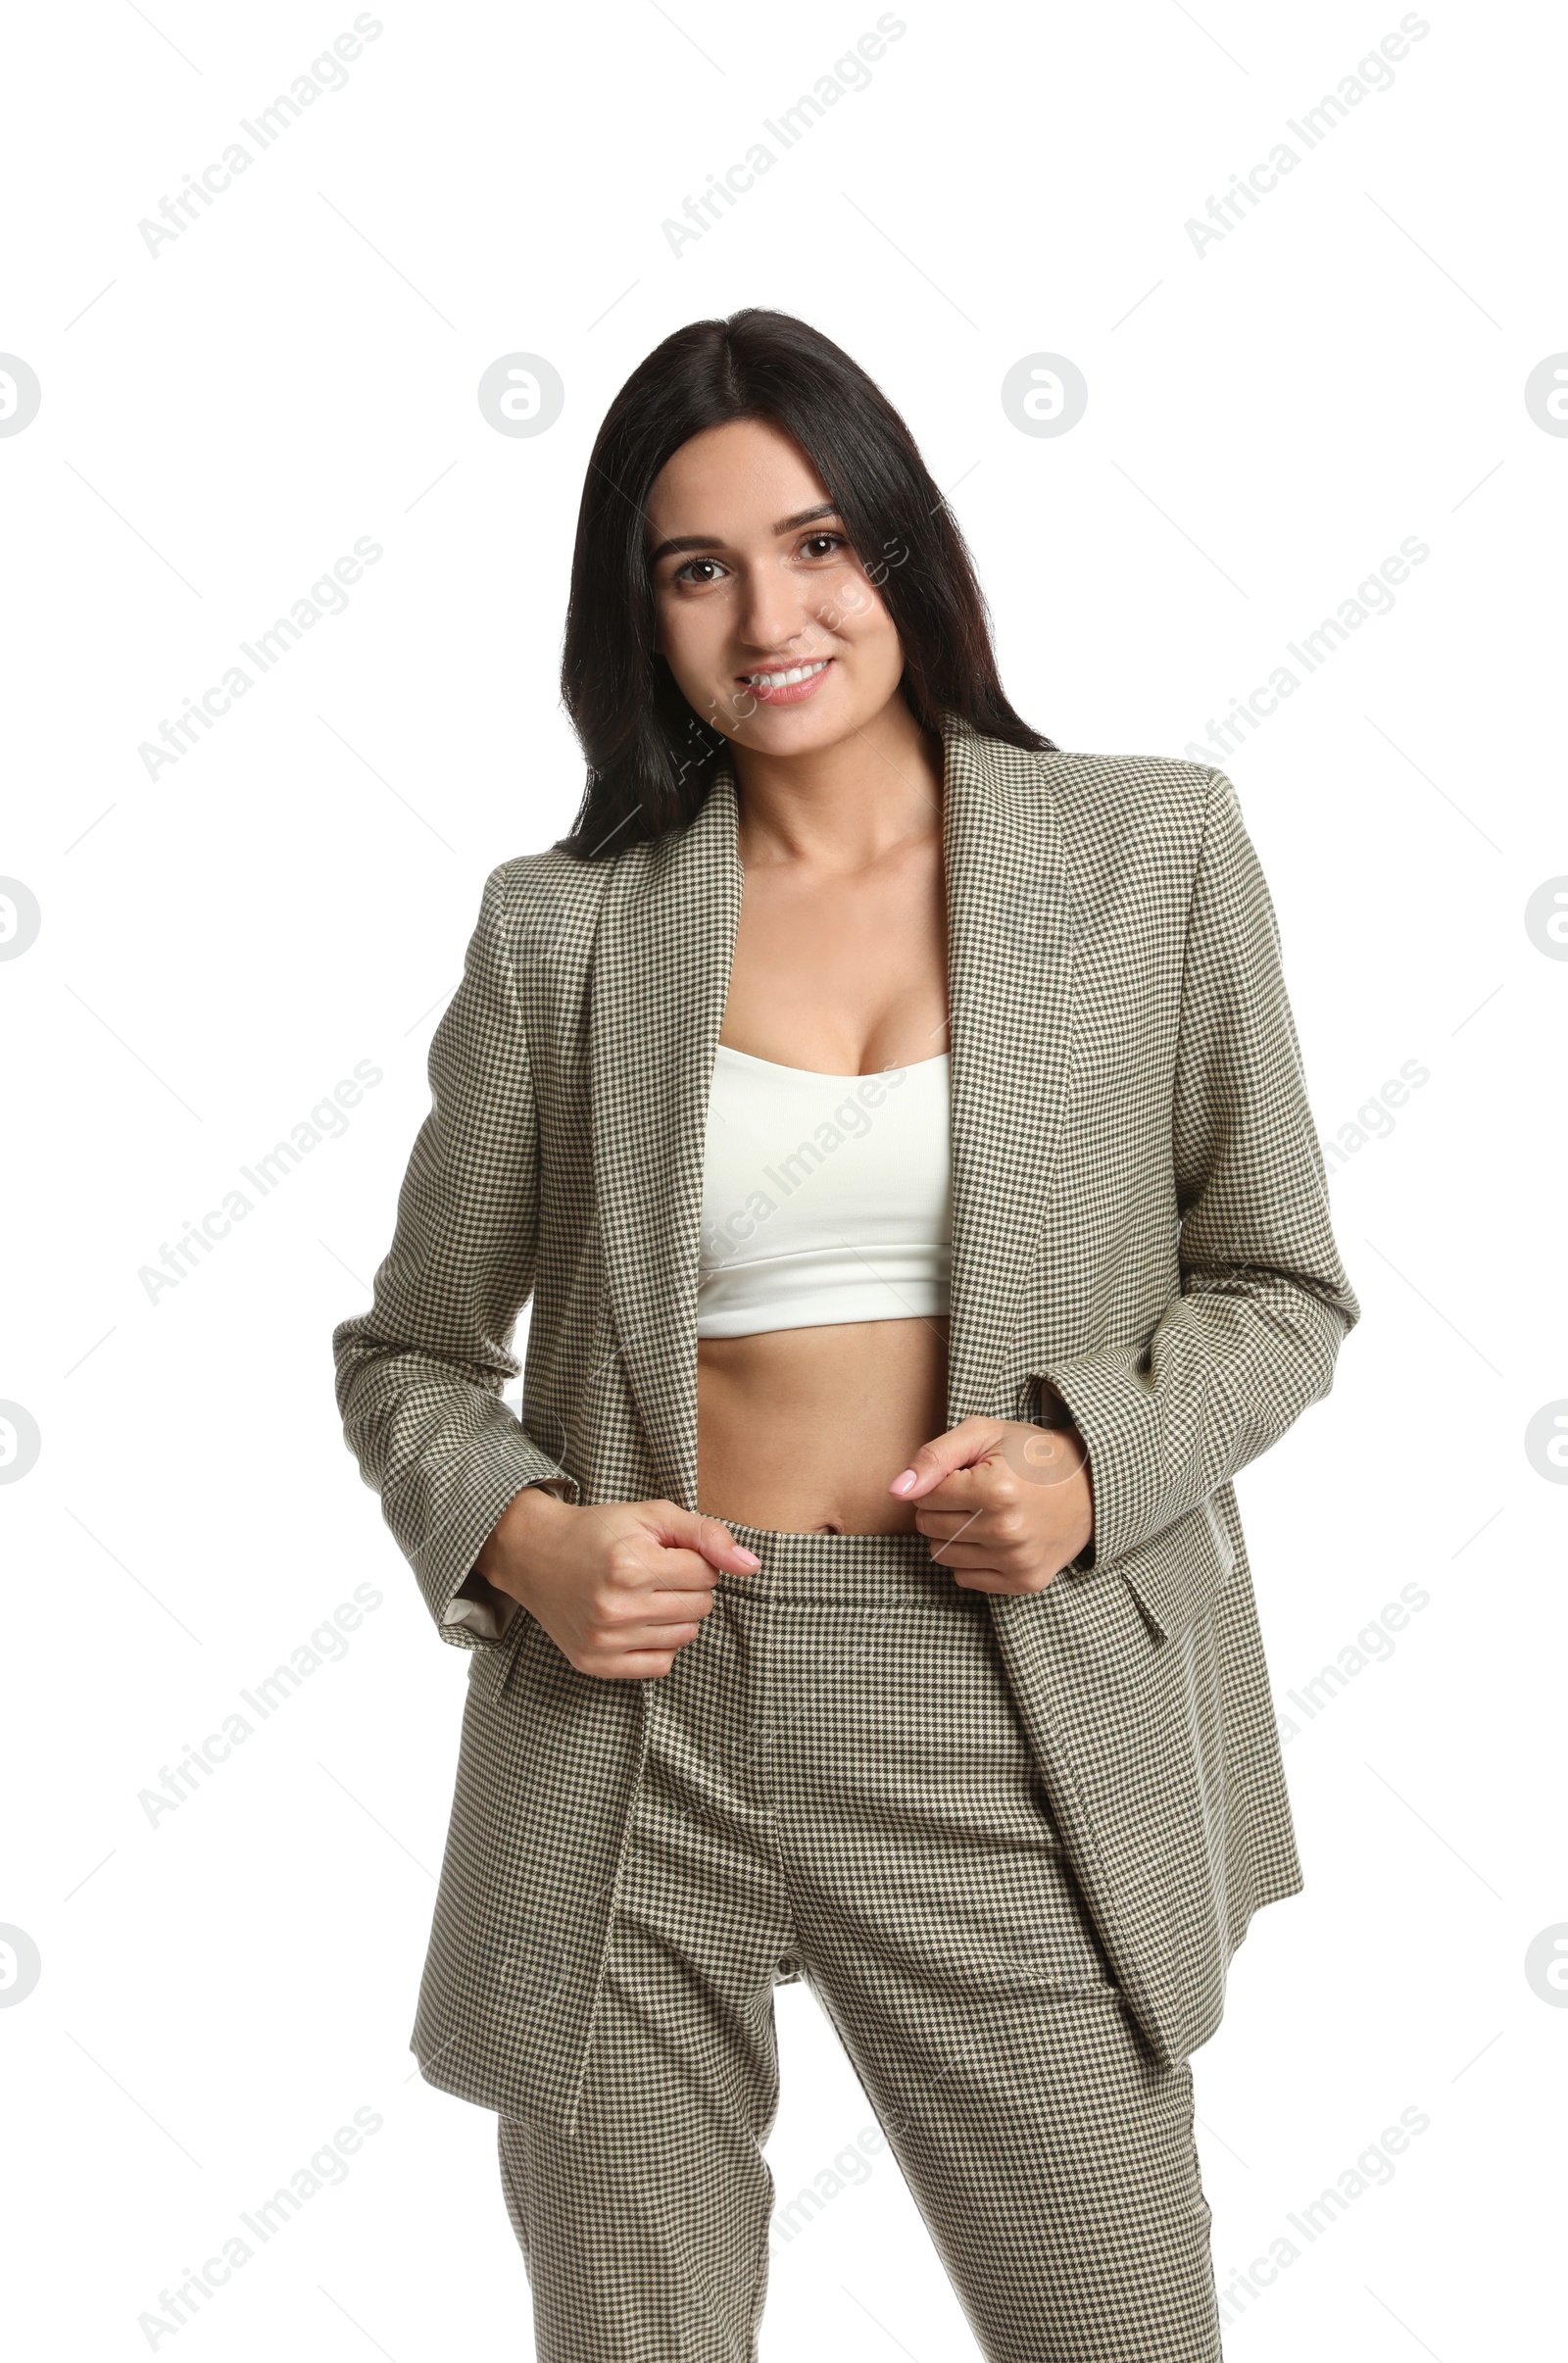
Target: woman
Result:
[[898, 1127]]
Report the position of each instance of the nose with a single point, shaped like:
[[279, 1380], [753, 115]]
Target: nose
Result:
[[774, 618]]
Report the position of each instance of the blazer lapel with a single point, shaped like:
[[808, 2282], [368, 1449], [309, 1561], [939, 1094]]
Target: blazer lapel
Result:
[[661, 982], [1011, 945]]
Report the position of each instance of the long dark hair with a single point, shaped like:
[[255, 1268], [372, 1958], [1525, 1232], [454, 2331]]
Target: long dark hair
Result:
[[650, 757]]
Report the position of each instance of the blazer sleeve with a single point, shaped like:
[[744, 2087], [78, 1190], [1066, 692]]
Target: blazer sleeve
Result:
[[419, 1375], [1250, 1339]]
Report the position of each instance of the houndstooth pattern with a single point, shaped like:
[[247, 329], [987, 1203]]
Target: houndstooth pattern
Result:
[[1141, 1221], [838, 1783]]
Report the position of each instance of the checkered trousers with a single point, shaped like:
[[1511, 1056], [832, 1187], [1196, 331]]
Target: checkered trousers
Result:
[[838, 1786]]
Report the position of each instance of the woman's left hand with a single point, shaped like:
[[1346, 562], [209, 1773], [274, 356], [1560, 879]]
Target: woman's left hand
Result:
[[1006, 1504]]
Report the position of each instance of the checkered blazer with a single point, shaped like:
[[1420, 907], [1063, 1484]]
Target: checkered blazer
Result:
[[1140, 1220]]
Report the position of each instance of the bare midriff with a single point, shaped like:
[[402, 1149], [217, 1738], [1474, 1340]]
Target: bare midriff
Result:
[[802, 1431]]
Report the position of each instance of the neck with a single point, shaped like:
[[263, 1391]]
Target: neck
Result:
[[842, 807]]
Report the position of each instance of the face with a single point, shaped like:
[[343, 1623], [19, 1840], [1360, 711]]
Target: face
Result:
[[754, 578]]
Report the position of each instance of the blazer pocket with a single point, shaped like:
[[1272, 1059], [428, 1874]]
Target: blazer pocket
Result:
[[490, 1670], [1177, 1575]]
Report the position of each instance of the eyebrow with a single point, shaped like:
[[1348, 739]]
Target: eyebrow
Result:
[[713, 541]]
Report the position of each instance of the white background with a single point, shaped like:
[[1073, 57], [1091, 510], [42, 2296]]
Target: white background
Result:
[[1267, 420]]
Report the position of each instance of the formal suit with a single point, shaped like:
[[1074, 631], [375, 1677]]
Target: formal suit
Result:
[[1140, 1222]]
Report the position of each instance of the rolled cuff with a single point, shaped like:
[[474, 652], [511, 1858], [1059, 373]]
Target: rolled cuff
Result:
[[489, 1615], [451, 1585], [1050, 1409]]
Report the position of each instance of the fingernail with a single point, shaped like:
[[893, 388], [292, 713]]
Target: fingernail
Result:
[[750, 1557], [903, 1480]]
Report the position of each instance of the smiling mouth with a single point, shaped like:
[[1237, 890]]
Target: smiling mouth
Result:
[[785, 680], [785, 683]]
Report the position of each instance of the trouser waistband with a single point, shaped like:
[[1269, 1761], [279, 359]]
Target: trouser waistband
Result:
[[840, 1563]]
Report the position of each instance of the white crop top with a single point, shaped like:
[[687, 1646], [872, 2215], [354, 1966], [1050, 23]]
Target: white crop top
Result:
[[825, 1198]]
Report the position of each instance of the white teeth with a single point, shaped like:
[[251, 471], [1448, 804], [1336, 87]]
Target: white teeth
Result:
[[785, 680]]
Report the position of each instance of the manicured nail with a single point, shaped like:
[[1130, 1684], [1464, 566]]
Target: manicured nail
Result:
[[750, 1557], [903, 1480]]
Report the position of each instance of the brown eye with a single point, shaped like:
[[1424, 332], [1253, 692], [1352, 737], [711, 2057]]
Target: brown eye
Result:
[[684, 573]]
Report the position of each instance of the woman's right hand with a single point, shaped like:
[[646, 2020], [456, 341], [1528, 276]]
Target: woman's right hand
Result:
[[618, 1586]]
